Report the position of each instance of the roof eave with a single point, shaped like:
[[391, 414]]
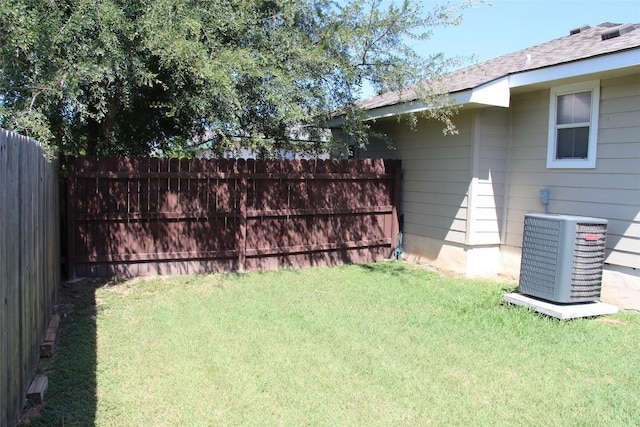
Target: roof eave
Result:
[[494, 93], [596, 64], [498, 92]]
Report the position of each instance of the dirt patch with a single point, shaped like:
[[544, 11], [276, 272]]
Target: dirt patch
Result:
[[449, 273], [65, 306], [30, 413], [609, 321]]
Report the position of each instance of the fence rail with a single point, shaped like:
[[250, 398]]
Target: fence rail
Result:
[[134, 217], [29, 264]]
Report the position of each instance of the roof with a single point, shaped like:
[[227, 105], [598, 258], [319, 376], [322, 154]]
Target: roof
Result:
[[584, 43]]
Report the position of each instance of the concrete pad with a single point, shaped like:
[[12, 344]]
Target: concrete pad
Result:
[[561, 311]]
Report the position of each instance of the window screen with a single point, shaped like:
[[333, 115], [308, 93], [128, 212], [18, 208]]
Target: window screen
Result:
[[572, 125]]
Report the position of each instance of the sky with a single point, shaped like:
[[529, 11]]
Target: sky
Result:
[[498, 27]]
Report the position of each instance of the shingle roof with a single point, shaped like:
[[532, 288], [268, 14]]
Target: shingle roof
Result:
[[585, 44]]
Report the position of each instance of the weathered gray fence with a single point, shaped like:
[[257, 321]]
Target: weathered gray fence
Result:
[[29, 263]]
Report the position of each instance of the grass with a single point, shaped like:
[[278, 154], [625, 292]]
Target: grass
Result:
[[378, 344]]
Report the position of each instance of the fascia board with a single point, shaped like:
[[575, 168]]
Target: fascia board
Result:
[[395, 110], [598, 64], [495, 93], [387, 111]]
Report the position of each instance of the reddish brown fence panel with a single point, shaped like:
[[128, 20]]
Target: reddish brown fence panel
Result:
[[134, 217]]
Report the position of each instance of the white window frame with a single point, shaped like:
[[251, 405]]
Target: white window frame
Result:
[[590, 161]]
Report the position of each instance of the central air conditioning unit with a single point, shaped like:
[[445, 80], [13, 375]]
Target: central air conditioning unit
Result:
[[562, 257]]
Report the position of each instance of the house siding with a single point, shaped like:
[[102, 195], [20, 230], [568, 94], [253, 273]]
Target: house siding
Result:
[[436, 176], [611, 190], [489, 171], [465, 195]]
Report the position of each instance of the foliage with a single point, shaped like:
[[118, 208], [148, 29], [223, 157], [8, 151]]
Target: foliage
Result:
[[119, 77]]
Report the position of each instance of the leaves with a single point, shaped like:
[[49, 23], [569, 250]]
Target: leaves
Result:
[[119, 77]]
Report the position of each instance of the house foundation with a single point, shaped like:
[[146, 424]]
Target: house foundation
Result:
[[620, 285]]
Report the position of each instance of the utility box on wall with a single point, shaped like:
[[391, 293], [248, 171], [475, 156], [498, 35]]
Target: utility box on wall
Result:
[[562, 257]]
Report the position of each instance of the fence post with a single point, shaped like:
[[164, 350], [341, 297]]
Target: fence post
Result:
[[5, 275], [242, 215], [397, 189], [71, 221]]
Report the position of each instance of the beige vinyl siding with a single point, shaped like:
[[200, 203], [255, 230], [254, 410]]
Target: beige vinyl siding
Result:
[[435, 175], [611, 190], [489, 173]]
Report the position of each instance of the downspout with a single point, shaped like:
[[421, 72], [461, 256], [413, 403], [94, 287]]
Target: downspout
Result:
[[397, 252]]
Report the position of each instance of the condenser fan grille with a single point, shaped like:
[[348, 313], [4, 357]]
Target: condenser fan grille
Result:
[[589, 252], [562, 257]]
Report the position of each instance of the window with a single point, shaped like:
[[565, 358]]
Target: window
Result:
[[352, 151], [573, 125]]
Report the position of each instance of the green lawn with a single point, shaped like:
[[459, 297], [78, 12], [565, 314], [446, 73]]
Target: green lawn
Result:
[[379, 344]]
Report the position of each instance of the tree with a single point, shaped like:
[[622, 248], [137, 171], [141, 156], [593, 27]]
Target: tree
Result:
[[119, 77]]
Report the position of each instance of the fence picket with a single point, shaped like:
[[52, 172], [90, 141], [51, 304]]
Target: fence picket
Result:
[[29, 263], [217, 215]]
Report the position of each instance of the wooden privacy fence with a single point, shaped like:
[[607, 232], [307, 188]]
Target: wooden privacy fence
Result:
[[29, 264], [133, 217]]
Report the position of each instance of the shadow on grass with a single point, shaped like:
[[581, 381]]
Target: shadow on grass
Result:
[[71, 397], [393, 268]]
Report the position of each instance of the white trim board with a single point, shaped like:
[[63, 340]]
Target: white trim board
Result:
[[497, 92]]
